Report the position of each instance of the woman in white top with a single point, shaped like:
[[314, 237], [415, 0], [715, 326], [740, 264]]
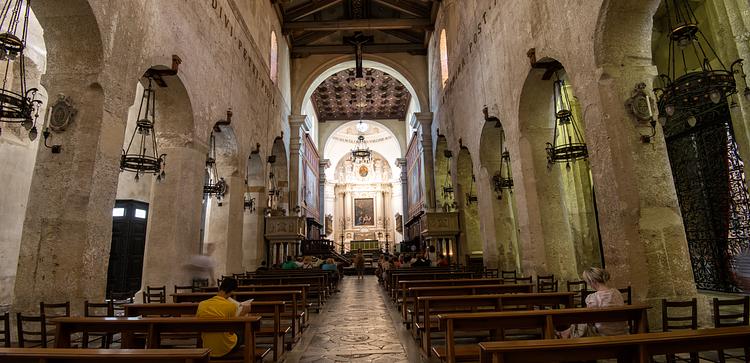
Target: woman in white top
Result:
[[604, 296]]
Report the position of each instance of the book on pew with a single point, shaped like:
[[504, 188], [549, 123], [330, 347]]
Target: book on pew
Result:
[[242, 305]]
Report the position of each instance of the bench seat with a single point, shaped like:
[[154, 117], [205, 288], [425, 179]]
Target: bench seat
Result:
[[462, 352]]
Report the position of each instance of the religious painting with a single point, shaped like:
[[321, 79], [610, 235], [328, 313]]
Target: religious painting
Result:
[[364, 212], [311, 182]]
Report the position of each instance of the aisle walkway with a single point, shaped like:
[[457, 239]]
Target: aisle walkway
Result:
[[357, 324]]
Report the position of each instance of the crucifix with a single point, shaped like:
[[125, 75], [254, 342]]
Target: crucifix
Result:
[[358, 41]]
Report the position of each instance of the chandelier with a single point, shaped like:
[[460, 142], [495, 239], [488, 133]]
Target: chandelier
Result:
[[688, 93], [503, 180], [142, 155], [361, 153], [214, 185], [567, 141], [18, 105]]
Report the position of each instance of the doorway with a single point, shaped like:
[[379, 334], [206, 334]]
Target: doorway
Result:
[[129, 220]]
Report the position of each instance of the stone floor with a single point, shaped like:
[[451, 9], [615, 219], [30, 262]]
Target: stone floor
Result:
[[357, 324]]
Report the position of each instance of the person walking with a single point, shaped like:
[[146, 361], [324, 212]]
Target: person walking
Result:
[[359, 264]]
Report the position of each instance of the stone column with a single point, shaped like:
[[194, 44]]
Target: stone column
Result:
[[225, 226], [424, 121], [299, 125], [67, 228], [348, 211], [401, 163], [174, 223], [324, 164], [643, 235]]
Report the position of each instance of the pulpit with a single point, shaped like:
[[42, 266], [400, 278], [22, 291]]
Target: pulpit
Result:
[[284, 235], [440, 230]]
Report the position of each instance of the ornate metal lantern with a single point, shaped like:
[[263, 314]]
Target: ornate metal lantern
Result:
[[18, 104], [215, 185], [503, 180], [687, 94], [361, 153], [567, 141], [142, 155], [449, 201], [471, 197]]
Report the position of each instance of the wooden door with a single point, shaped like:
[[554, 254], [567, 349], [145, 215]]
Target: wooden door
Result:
[[126, 254]]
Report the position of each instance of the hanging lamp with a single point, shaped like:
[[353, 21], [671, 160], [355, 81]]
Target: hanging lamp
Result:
[[567, 140], [449, 199], [361, 152], [142, 155], [471, 198], [18, 103], [503, 180], [697, 87], [215, 186]]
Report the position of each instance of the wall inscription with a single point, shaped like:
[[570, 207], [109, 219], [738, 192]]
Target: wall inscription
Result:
[[234, 26]]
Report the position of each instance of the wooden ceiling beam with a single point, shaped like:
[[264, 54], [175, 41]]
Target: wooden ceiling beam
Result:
[[309, 37], [309, 8], [358, 24], [305, 50], [406, 7], [409, 36]]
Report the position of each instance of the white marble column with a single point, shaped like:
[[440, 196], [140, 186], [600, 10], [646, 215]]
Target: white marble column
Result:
[[299, 125]]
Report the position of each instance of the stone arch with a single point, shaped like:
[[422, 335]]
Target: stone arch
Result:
[[443, 173], [73, 68], [174, 225], [396, 69], [280, 170], [466, 186], [393, 143], [19, 153], [252, 231], [223, 217], [559, 198], [499, 229]]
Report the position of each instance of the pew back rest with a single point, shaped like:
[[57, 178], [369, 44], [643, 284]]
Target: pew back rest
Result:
[[631, 348], [51, 355]]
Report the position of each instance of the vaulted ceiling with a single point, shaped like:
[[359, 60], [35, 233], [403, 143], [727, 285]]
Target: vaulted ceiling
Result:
[[322, 26], [377, 96]]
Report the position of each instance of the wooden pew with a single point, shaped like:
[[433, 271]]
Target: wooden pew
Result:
[[404, 285], [626, 348], [429, 306], [416, 292], [451, 275], [154, 327], [271, 309], [291, 296], [546, 320], [317, 290], [304, 305], [390, 275], [53, 355]]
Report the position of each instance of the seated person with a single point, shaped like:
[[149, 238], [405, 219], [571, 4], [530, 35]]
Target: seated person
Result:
[[307, 262], [421, 261], [263, 267], [290, 264], [604, 296], [330, 265], [442, 261], [222, 306]]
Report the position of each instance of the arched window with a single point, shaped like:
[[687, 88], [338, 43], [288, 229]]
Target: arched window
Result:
[[444, 56], [274, 64]]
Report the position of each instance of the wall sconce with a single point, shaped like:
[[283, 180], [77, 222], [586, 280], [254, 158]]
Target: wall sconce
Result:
[[639, 105], [250, 204]]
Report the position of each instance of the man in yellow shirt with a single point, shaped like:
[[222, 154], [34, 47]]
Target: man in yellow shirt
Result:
[[222, 306]]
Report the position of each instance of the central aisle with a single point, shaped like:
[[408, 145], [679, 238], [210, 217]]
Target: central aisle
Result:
[[358, 324]]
